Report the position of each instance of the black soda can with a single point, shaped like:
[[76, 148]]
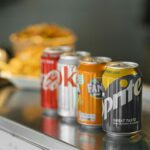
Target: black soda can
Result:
[[122, 98]]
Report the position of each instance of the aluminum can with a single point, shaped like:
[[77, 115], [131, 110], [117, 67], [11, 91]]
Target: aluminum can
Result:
[[50, 126], [67, 89], [122, 98], [89, 81], [50, 77]]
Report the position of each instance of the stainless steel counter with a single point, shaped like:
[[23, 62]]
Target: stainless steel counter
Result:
[[23, 106]]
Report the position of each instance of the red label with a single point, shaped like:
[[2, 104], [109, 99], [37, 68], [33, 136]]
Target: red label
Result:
[[51, 80], [68, 78]]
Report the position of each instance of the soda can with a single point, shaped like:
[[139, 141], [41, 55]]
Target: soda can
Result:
[[50, 78], [50, 126], [122, 98], [136, 142], [67, 89], [89, 107]]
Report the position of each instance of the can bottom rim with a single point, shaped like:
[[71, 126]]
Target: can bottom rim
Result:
[[90, 126], [49, 112], [68, 119], [128, 134]]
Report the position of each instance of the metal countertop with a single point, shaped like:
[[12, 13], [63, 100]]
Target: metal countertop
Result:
[[23, 106]]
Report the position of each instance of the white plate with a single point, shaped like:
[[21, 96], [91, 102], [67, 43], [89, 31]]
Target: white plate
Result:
[[22, 82]]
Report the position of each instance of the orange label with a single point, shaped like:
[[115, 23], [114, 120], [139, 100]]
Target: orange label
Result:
[[89, 97]]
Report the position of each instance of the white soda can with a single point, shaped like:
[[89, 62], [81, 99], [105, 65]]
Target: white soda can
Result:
[[67, 89]]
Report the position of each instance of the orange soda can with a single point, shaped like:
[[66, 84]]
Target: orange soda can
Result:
[[89, 85]]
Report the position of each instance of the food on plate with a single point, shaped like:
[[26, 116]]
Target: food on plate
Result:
[[29, 44], [42, 35], [26, 63], [3, 55]]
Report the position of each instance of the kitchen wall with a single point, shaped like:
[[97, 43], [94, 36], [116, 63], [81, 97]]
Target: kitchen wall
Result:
[[114, 28]]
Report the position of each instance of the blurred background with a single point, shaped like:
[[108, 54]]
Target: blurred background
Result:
[[119, 28]]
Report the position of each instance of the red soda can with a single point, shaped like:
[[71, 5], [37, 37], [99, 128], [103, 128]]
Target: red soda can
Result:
[[50, 78]]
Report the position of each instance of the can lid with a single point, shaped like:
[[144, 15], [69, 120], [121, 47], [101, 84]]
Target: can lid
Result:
[[65, 48], [95, 60], [69, 55], [122, 65], [82, 53], [58, 49], [52, 50]]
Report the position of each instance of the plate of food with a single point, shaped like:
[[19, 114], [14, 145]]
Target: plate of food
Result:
[[22, 82], [22, 73], [23, 70]]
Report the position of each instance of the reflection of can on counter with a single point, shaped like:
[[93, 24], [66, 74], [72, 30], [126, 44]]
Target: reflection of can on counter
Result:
[[136, 142], [89, 111], [50, 126], [67, 89], [68, 132], [122, 103], [90, 139], [50, 77]]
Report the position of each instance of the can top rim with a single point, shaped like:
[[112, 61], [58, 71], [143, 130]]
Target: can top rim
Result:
[[122, 65], [82, 53], [96, 60], [58, 49], [72, 57], [65, 48]]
